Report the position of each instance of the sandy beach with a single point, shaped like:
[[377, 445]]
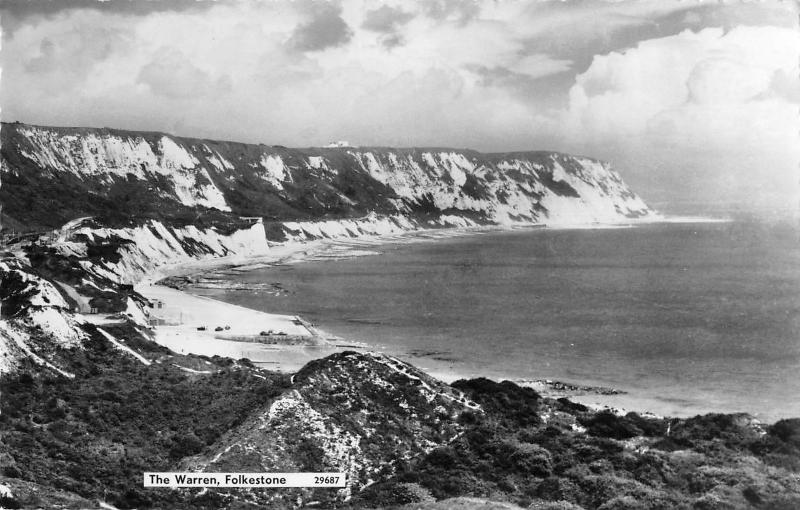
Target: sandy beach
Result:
[[200, 325]]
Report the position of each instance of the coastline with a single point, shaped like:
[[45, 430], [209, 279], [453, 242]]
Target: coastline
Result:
[[180, 314], [284, 357]]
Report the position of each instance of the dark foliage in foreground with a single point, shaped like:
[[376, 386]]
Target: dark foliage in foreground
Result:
[[525, 449], [95, 436], [92, 437]]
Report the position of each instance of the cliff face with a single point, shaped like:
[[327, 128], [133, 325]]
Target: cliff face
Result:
[[53, 175]]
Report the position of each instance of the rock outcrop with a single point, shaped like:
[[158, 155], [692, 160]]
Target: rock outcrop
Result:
[[357, 413]]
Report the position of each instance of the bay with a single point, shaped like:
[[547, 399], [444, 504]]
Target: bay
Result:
[[686, 318]]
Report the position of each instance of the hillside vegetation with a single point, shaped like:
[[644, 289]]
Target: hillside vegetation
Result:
[[378, 419]]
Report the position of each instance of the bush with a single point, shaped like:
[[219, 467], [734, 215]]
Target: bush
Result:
[[608, 424], [444, 457], [513, 405], [530, 459], [787, 431], [185, 445], [394, 493], [557, 488], [732, 430], [651, 427]]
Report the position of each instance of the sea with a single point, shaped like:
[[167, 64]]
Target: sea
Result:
[[680, 318]]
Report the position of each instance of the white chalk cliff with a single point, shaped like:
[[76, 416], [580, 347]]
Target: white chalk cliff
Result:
[[99, 172]]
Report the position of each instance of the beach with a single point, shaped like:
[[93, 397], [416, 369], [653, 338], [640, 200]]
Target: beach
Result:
[[191, 324], [239, 331]]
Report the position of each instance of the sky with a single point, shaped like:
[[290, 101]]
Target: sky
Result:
[[695, 103]]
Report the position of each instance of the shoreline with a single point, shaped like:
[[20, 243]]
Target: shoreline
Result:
[[288, 358], [299, 251], [183, 313]]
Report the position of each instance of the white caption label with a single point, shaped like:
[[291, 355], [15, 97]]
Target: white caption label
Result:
[[244, 480]]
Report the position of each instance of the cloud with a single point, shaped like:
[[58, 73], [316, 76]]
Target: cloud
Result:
[[46, 60], [18, 13], [601, 27], [390, 41], [60, 61], [326, 29], [722, 80], [537, 65], [522, 74], [173, 75], [784, 85], [460, 11], [704, 105], [385, 19], [625, 90], [30, 8]]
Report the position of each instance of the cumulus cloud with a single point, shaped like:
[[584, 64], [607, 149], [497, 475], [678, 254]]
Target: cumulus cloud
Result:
[[452, 10], [58, 62], [386, 19], [325, 29], [705, 105]]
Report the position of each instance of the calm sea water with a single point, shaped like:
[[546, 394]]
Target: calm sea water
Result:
[[687, 318]]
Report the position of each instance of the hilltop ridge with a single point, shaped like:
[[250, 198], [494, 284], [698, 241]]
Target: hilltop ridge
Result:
[[123, 176]]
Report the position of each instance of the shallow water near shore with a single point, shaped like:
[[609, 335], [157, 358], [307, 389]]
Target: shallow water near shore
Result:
[[686, 318]]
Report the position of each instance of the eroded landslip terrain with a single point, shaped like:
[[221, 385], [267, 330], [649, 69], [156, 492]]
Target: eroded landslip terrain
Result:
[[90, 401]]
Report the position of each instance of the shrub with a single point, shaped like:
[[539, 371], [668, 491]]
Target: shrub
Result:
[[513, 405], [185, 445], [651, 427], [532, 459], [732, 430], [394, 493], [787, 431], [557, 488], [608, 424]]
